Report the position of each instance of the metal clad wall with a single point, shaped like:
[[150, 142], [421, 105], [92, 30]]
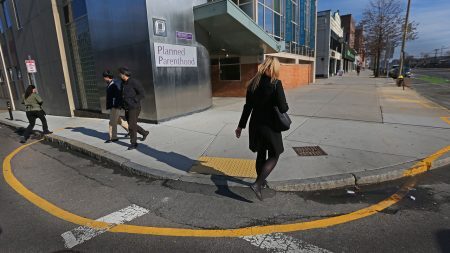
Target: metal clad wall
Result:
[[120, 37], [37, 38], [178, 90]]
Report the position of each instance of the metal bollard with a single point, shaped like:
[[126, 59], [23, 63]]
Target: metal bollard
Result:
[[8, 105]]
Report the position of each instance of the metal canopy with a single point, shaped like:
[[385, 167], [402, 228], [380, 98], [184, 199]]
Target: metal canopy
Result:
[[232, 31]]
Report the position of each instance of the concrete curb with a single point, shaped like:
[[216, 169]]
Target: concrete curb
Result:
[[309, 184], [315, 184]]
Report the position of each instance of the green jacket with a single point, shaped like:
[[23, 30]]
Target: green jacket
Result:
[[33, 102]]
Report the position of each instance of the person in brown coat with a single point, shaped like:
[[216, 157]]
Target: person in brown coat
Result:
[[263, 93]]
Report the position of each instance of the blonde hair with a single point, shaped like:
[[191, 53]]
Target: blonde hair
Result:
[[271, 66]]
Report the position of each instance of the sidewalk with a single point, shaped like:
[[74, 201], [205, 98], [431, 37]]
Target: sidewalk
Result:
[[370, 129]]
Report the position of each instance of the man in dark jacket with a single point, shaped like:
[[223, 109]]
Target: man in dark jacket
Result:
[[133, 93], [113, 103]]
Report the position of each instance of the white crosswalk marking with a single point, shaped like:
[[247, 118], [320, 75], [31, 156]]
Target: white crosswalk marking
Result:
[[282, 243], [81, 234]]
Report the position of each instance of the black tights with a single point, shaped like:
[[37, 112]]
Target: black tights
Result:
[[264, 165]]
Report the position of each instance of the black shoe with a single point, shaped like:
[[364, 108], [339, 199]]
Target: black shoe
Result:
[[23, 140], [256, 191], [48, 132], [112, 140], [132, 146], [145, 136]]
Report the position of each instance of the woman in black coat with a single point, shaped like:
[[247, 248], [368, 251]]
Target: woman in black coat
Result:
[[263, 93]]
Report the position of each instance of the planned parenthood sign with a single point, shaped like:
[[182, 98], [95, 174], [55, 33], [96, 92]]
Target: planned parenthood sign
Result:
[[168, 55]]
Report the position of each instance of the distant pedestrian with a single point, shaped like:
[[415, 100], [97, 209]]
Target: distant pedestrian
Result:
[[113, 103], [33, 106], [133, 93], [264, 91], [358, 69]]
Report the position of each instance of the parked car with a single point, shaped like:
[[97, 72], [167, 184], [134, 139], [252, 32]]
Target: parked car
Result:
[[393, 73]]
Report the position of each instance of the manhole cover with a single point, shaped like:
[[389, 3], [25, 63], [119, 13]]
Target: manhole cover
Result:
[[309, 151]]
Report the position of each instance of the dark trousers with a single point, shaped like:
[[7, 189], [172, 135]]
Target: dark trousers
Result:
[[132, 116], [32, 116]]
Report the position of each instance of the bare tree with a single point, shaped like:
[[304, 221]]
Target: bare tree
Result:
[[383, 23]]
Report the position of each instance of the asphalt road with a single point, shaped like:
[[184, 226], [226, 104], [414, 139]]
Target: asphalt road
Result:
[[437, 92], [418, 223]]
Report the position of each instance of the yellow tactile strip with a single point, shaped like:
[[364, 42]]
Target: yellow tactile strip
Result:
[[225, 166]]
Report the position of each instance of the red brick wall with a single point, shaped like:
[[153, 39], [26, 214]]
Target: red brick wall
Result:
[[295, 75], [292, 76], [232, 88]]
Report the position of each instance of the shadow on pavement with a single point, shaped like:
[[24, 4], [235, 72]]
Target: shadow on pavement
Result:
[[174, 160], [223, 189], [442, 237], [90, 132]]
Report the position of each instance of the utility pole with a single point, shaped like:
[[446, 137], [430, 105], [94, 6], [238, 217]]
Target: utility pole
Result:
[[435, 53], [442, 50], [405, 31]]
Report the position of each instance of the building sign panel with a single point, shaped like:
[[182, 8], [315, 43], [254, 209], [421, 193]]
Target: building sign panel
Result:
[[159, 27], [31, 66], [168, 55], [184, 35]]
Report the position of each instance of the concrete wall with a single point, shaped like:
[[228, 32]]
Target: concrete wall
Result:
[[323, 45]]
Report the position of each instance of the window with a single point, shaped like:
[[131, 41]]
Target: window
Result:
[[79, 8], [11, 73], [18, 73], [230, 69], [247, 8], [5, 6], [270, 17], [214, 61], [261, 15], [268, 24], [16, 14]]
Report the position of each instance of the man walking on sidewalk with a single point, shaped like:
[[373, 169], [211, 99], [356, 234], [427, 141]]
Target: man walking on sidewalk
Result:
[[133, 93], [113, 103]]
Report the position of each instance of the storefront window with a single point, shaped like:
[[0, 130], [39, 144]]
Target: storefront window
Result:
[[230, 69]]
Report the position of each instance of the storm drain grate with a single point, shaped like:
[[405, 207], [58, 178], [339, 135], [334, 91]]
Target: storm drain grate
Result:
[[309, 151]]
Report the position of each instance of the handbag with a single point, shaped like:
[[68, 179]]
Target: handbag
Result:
[[282, 121]]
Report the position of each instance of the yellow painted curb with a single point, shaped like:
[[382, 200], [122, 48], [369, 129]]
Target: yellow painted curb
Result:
[[248, 231]]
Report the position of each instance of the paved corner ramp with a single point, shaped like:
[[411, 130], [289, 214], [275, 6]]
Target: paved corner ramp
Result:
[[225, 166]]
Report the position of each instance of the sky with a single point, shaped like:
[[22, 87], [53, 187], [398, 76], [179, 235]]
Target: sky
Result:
[[432, 16]]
